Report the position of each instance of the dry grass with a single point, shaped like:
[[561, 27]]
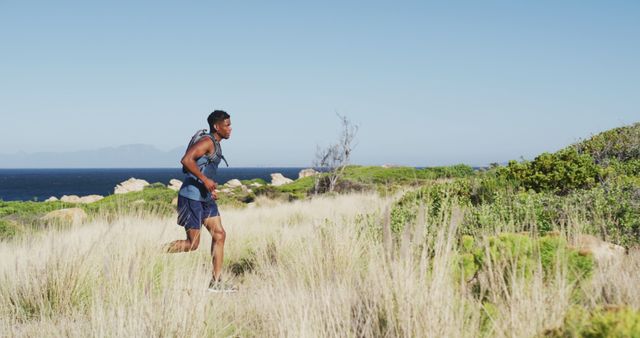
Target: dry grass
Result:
[[306, 269]]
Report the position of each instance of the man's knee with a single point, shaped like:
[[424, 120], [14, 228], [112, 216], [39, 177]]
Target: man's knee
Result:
[[219, 235]]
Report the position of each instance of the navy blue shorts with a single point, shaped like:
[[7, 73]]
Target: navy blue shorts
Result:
[[192, 213]]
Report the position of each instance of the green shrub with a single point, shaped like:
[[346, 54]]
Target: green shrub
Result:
[[255, 180], [8, 229], [511, 253], [155, 185], [493, 203], [617, 168], [437, 198], [299, 188], [486, 188], [622, 144], [455, 171], [601, 322], [28, 213], [560, 173], [154, 199]]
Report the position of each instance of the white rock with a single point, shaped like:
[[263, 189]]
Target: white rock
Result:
[[255, 185], [604, 253], [90, 199], [277, 180], [130, 185], [72, 216], [70, 198], [234, 183], [174, 184], [226, 190], [306, 173], [52, 199]]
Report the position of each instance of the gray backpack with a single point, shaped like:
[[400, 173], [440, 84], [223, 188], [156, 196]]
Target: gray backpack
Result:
[[211, 157]]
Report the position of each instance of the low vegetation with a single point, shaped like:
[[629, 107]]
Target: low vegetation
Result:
[[328, 266], [448, 252]]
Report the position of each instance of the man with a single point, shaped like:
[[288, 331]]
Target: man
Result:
[[197, 197]]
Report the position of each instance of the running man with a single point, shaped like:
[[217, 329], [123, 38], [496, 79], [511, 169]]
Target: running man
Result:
[[197, 197]]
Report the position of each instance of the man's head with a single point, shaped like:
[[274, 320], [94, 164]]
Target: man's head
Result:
[[220, 123]]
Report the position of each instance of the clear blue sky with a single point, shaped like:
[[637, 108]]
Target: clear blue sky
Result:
[[429, 83]]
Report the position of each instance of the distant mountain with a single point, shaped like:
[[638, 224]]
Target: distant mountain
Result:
[[126, 156]]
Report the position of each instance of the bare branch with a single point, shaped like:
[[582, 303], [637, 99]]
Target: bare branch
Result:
[[336, 157]]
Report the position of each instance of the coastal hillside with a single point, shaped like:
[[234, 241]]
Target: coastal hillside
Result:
[[548, 247]]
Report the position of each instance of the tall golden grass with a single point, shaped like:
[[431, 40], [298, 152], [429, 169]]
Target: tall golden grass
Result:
[[327, 267]]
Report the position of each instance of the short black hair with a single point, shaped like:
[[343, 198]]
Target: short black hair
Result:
[[215, 117]]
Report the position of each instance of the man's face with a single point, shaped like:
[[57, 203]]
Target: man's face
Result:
[[224, 128]]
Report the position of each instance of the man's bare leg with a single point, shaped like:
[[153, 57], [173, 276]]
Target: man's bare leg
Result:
[[218, 235], [184, 245]]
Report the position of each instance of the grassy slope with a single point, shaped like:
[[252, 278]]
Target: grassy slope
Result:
[[321, 267], [333, 266]]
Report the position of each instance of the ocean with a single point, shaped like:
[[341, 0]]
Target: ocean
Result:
[[40, 184]]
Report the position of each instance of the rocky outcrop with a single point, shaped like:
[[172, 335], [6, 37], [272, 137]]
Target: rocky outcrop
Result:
[[70, 198], [84, 200], [604, 253], [90, 199], [52, 199], [277, 180], [130, 185], [234, 183], [307, 173], [73, 216], [175, 185]]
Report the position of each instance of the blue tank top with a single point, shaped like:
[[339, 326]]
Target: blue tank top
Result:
[[192, 187]]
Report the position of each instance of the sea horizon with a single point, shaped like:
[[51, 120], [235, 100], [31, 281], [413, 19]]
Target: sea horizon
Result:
[[38, 184]]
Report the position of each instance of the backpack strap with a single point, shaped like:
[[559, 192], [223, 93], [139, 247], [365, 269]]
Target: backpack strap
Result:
[[217, 151], [225, 160], [211, 157]]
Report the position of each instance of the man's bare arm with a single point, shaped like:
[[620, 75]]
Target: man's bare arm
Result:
[[199, 149]]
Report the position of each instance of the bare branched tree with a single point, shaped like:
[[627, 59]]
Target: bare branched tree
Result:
[[335, 158]]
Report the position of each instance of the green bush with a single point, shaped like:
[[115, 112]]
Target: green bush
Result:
[[255, 180], [622, 144], [28, 213], [8, 229], [617, 168], [154, 199], [155, 185], [560, 173], [601, 322], [494, 203], [436, 198], [487, 187], [511, 253]]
